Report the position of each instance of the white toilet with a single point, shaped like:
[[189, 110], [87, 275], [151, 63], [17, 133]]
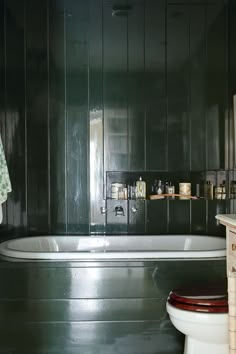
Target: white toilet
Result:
[[202, 315]]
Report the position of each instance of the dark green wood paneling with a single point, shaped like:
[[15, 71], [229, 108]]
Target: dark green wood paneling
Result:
[[2, 87], [116, 149], [181, 274], [155, 87], [215, 207], [136, 86], [157, 217], [87, 283], [94, 307], [82, 310], [232, 81], [136, 217], [117, 223], [57, 129], [98, 281], [96, 139], [197, 87], [37, 114], [146, 91], [178, 81], [216, 75], [2, 71], [198, 217], [179, 217], [77, 134], [92, 338], [15, 112]]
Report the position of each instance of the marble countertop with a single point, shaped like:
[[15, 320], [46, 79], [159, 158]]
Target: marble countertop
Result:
[[227, 219]]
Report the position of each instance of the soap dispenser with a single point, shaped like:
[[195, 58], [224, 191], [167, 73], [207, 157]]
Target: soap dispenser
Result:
[[140, 189]]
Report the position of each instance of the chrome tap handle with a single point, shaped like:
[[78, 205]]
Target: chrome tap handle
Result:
[[103, 210], [134, 209]]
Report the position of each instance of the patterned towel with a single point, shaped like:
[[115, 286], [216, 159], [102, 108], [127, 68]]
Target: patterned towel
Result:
[[5, 184]]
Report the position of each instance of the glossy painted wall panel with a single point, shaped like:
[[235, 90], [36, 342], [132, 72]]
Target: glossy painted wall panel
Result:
[[198, 217], [197, 86], [133, 93], [178, 87], [84, 282], [137, 217], [2, 72], [136, 85], [215, 207], [61, 306], [232, 83], [115, 88], [157, 217], [96, 137], [57, 115], [216, 94], [155, 85], [92, 338], [76, 66], [2, 88], [15, 113], [36, 73], [83, 310], [179, 217], [104, 280]]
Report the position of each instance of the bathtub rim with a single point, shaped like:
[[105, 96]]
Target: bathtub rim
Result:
[[109, 256]]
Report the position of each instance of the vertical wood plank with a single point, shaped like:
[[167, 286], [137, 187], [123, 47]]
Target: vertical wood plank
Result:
[[97, 219], [15, 114], [197, 52], [178, 87], [155, 87], [37, 115], [57, 131], [77, 136], [179, 217], [136, 85], [2, 93], [232, 82], [216, 93], [115, 89]]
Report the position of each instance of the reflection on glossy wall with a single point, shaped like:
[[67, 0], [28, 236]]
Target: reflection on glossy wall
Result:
[[85, 90]]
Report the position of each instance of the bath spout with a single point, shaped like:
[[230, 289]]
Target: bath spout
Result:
[[119, 211]]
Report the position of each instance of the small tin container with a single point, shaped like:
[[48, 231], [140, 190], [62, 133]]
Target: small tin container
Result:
[[218, 193], [185, 189], [116, 189]]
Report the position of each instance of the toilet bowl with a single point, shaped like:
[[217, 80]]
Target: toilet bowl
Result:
[[202, 315]]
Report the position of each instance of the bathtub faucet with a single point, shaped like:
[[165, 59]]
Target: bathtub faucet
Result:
[[119, 211]]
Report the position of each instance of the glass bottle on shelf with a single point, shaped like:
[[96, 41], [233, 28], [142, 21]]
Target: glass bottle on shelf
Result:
[[140, 189]]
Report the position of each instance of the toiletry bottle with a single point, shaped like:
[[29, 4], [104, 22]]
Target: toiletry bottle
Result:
[[140, 189], [159, 187], [198, 190], [233, 190], [154, 187], [208, 190], [171, 188], [167, 187], [224, 190]]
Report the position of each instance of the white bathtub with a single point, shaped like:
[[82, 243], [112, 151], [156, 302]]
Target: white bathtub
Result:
[[114, 247]]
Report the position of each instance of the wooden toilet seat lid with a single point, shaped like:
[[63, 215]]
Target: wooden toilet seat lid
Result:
[[200, 300]]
